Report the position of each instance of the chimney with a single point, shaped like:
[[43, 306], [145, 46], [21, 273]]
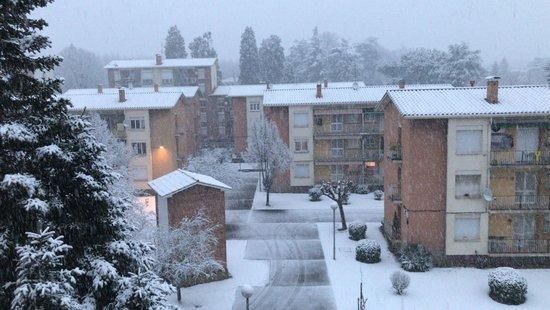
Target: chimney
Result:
[[121, 95], [268, 85], [156, 87], [401, 84], [472, 83], [100, 88], [319, 93], [325, 82], [158, 58], [492, 89]]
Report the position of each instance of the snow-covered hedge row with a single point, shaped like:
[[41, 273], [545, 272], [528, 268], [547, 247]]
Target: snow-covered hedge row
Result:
[[357, 231], [507, 286], [367, 251], [415, 257]]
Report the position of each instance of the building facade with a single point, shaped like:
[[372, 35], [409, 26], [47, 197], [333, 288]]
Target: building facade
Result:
[[158, 124], [467, 172]]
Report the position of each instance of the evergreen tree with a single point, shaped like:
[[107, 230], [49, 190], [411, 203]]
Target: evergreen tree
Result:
[[272, 59], [53, 174], [296, 67], [369, 54], [418, 66], [80, 68], [315, 59], [461, 65], [175, 44], [248, 61], [340, 64], [203, 46]]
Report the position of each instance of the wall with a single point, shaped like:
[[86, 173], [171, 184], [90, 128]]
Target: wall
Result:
[[301, 158], [279, 115], [136, 135], [252, 116], [240, 122]]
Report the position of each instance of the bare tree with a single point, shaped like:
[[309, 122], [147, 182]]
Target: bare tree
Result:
[[270, 152], [339, 192], [217, 164]]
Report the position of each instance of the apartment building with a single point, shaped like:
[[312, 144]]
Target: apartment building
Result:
[[158, 124], [467, 172]]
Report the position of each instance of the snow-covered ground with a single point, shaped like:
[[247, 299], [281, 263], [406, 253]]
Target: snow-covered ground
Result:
[[221, 294], [440, 288], [285, 201]]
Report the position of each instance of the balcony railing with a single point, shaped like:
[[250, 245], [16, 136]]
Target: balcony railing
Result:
[[520, 157], [340, 129], [518, 246], [394, 193], [342, 155], [520, 202]]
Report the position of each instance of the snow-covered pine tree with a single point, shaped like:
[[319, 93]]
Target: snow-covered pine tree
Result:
[[272, 59], [53, 173], [315, 58], [296, 66], [270, 152], [80, 68], [175, 44], [248, 61], [461, 65], [41, 282], [203, 46], [340, 63], [418, 66]]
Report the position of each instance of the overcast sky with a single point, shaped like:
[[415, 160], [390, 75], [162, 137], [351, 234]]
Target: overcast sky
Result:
[[516, 29]]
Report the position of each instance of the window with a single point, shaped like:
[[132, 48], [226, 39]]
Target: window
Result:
[[337, 122], [337, 148], [371, 142], [204, 130], [221, 130], [547, 223], [139, 173], [147, 77], [254, 106], [202, 88], [116, 74], [167, 77], [336, 172], [301, 119], [501, 141], [203, 117], [467, 228], [139, 148], [201, 74], [468, 186], [354, 144], [468, 142], [137, 123], [526, 187], [301, 145], [354, 118], [301, 171], [221, 116]]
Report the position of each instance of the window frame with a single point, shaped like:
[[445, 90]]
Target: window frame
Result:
[[462, 152], [458, 218], [139, 148], [302, 165], [466, 175], [304, 114], [137, 120], [254, 106], [301, 142], [337, 123]]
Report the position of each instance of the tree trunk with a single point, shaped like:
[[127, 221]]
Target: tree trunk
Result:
[[267, 196], [342, 217], [178, 289]]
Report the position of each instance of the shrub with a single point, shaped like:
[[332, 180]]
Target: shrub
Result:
[[415, 257], [357, 231], [361, 189], [400, 281], [507, 286], [378, 194], [315, 194], [367, 251]]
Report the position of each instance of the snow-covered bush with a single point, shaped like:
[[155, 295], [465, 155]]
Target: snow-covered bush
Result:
[[415, 257], [361, 189], [367, 251], [215, 163], [378, 194], [399, 281], [507, 286], [143, 290], [357, 231], [315, 194]]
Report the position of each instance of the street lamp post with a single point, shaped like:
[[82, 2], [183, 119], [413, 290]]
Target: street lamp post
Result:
[[334, 206], [247, 291]]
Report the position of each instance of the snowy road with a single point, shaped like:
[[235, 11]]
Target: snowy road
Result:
[[289, 239]]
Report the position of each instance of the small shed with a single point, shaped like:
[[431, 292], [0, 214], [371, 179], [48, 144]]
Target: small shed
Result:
[[182, 194]]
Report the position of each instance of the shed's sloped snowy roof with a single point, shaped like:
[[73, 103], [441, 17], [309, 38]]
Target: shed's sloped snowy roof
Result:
[[166, 63], [470, 102], [335, 95], [180, 179], [136, 98]]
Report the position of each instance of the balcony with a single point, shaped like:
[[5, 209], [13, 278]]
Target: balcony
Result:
[[520, 202], [518, 246], [341, 155], [520, 158], [340, 129], [394, 193]]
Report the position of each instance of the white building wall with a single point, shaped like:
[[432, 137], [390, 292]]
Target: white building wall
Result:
[[471, 164], [301, 158], [139, 162], [162, 212], [252, 116]]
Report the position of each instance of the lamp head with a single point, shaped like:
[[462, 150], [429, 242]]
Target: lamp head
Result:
[[333, 206], [247, 291]]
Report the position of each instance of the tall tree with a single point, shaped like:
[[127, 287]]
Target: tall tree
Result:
[[548, 73], [175, 44], [369, 56], [338, 192], [248, 61], [419, 65], [268, 150], [340, 63], [203, 46], [315, 58], [80, 68], [461, 65], [296, 67], [53, 174], [272, 59]]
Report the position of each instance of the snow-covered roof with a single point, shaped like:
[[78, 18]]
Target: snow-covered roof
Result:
[[179, 180], [136, 98], [222, 90], [247, 90], [166, 63], [258, 90], [470, 102]]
